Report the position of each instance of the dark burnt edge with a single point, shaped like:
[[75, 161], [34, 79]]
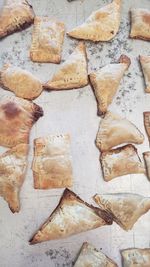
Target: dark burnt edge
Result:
[[37, 112], [140, 37], [141, 68]]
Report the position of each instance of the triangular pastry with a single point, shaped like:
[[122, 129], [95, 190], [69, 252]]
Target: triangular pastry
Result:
[[121, 161], [92, 257], [52, 166], [136, 257], [16, 120], [15, 15], [47, 40], [21, 82], [101, 25], [145, 63], [146, 156], [115, 130], [146, 116], [126, 208], [140, 24], [72, 73], [105, 82], [13, 165], [71, 216]]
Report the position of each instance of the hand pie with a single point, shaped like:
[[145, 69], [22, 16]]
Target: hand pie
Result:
[[101, 25], [72, 73], [16, 120], [146, 156], [120, 161], [115, 130], [52, 162], [146, 115], [145, 63], [13, 165], [71, 216], [105, 82], [20, 81], [47, 40], [90, 256], [136, 257], [15, 15], [126, 208], [140, 24]]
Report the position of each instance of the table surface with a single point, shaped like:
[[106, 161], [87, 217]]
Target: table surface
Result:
[[75, 112]]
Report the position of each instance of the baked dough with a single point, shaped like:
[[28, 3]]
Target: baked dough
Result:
[[15, 15], [105, 82], [140, 24], [52, 166], [13, 165], [17, 117], [20, 81], [121, 161], [146, 156], [115, 130], [47, 40], [90, 256], [72, 73], [146, 116], [71, 216], [126, 208], [101, 25], [145, 63], [136, 257]]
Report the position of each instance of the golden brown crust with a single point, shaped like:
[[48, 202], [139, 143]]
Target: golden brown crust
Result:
[[146, 116], [136, 257], [145, 64]]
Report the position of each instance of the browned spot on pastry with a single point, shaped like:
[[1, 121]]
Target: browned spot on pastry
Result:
[[11, 110], [124, 59], [146, 18], [38, 112]]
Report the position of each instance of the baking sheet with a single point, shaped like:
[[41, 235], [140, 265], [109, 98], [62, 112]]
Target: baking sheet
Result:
[[75, 112]]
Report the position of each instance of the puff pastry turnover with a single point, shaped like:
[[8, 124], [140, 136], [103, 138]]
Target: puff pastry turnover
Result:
[[17, 116], [90, 256], [47, 40], [52, 166], [71, 216], [126, 208], [115, 130], [13, 165], [146, 156], [136, 257], [101, 25], [145, 63], [20, 81], [72, 73], [105, 82], [15, 15], [140, 24], [146, 116]]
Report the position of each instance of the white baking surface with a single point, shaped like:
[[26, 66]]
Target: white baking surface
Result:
[[75, 112]]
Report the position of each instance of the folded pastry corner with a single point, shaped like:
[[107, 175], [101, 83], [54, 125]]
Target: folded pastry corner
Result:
[[101, 25], [15, 15], [72, 73], [115, 130], [47, 40], [145, 64], [146, 156], [136, 257], [90, 256], [140, 23], [13, 165], [121, 161], [71, 216], [105, 82]]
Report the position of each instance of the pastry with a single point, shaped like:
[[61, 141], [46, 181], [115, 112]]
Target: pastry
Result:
[[101, 25], [126, 208], [20, 82], [146, 116], [146, 156], [105, 82], [121, 161], [47, 40], [15, 16], [136, 257], [145, 63], [52, 166], [16, 120], [90, 256], [140, 24], [72, 73], [13, 165], [115, 130], [71, 216]]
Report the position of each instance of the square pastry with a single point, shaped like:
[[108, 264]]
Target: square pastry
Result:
[[52, 166], [47, 40]]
